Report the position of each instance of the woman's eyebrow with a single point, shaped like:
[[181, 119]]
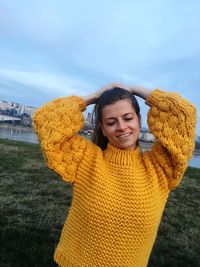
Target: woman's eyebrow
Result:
[[110, 118], [114, 118], [129, 113]]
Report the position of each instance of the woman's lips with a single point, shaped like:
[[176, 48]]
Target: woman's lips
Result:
[[124, 136]]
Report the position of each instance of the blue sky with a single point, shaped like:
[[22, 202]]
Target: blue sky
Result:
[[52, 48]]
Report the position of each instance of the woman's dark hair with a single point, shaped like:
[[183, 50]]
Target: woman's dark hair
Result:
[[107, 98]]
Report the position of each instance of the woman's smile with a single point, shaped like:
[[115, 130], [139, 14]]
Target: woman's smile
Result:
[[123, 136]]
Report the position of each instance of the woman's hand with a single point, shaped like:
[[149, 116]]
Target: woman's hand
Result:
[[136, 90], [91, 99], [109, 86], [139, 91]]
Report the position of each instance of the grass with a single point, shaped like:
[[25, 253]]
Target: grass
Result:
[[35, 203]]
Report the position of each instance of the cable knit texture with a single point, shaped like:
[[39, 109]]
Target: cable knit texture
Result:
[[119, 195]]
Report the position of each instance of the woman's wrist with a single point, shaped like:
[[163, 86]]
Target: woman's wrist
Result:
[[140, 91], [90, 99]]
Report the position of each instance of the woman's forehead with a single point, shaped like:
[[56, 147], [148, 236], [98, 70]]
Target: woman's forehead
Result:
[[119, 108]]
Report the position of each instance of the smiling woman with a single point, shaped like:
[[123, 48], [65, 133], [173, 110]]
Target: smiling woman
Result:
[[119, 191]]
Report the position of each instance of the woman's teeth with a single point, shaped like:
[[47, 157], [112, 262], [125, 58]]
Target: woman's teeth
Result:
[[124, 135]]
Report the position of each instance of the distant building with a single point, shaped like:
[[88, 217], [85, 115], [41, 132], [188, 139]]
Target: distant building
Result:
[[5, 118], [197, 138], [88, 118], [26, 109], [146, 135], [16, 110], [4, 105]]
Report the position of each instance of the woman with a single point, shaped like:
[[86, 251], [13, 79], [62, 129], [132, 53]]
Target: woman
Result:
[[119, 192]]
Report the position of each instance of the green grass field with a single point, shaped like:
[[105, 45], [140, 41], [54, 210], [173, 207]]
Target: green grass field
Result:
[[35, 203]]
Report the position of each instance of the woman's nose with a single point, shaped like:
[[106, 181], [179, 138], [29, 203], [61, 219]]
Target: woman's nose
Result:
[[121, 125]]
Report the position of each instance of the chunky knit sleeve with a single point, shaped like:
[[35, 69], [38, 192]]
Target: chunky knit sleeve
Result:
[[57, 124], [172, 120]]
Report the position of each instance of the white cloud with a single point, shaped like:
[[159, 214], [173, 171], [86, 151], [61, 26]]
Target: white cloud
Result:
[[46, 82], [151, 43]]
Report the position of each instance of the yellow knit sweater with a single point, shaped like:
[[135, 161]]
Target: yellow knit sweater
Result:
[[119, 195]]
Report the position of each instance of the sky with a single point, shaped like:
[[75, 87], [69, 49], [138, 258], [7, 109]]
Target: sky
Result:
[[51, 49]]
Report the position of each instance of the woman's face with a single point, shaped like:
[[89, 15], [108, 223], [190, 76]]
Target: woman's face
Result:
[[120, 124]]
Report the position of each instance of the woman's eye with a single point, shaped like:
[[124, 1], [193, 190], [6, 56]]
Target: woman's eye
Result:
[[128, 119], [110, 123]]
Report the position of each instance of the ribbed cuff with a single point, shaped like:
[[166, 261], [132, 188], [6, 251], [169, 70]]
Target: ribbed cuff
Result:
[[80, 102], [154, 96]]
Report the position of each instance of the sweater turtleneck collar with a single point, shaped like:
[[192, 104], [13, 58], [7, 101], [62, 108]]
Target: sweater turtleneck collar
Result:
[[122, 156]]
